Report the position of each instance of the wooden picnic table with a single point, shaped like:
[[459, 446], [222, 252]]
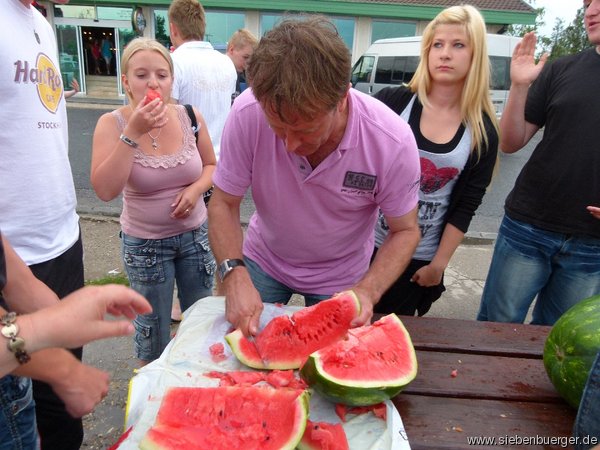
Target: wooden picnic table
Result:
[[500, 389]]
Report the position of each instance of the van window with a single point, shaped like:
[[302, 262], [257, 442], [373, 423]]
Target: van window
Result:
[[361, 72], [500, 73], [396, 69]]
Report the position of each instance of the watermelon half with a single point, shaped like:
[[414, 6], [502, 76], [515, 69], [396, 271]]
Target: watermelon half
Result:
[[372, 365], [227, 418], [571, 348], [286, 341]]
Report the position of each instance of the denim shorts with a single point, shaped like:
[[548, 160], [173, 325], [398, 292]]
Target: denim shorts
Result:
[[153, 267], [18, 428], [273, 291]]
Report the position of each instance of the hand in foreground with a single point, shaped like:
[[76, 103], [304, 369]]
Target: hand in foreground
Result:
[[594, 211], [243, 304], [82, 388], [428, 276], [81, 316], [523, 68], [366, 307]]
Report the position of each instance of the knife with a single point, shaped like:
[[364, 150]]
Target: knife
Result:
[[252, 339]]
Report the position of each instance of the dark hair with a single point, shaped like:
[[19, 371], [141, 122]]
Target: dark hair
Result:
[[302, 64]]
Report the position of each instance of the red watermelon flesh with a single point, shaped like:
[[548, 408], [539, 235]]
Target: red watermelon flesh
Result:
[[323, 436], [227, 418], [286, 341], [372, 365]]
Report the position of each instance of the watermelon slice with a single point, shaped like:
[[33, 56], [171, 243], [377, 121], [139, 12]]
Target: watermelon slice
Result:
[[228, 417], [286, 341], [372, 365], [151, 94], [323, 436]]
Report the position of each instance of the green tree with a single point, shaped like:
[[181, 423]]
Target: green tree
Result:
[[571, 39], [543, 42], [161, 31]]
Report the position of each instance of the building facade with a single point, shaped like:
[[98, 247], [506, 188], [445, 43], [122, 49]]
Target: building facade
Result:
[[85, 27]]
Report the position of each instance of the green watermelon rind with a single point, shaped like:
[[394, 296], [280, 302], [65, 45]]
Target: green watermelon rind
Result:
[[234, 340], [236, 337], [571, 347], [354, 392]]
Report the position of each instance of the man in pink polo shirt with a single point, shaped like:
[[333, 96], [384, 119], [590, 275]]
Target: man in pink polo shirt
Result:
[[320, 159]]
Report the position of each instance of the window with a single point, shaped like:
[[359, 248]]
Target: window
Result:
[[500, 73], [361, 72], [382, 29], [219, 26], [344, 25], [396, 69]]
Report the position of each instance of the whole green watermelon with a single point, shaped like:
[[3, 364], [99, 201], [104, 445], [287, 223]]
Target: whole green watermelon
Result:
[[571, 348]]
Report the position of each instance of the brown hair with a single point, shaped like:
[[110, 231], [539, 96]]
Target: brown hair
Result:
[[189, 18], [241, 38], [302, 64]]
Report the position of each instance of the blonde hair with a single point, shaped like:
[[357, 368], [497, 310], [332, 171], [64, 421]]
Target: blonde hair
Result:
[[189, 18], [475, 99], [139, 44], [241, 38]]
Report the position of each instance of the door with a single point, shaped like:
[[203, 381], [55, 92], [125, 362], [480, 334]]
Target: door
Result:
[[69, 53]]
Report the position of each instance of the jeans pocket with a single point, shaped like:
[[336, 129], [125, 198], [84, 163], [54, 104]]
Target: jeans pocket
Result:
[[142, 260], [17, 413], [206, 257], [147, 337]]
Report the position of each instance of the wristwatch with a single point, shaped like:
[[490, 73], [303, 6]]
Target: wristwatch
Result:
[[228, 265]]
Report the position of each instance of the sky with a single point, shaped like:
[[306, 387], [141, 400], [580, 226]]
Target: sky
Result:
[[565, 9]]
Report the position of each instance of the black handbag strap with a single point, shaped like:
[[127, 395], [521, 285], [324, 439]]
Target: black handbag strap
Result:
[[190, 112]]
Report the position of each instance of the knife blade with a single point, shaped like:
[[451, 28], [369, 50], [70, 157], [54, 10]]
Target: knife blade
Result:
[[252, 339]]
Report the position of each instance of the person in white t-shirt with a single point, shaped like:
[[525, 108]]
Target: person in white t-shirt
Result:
[[204, 77], [37, 200]]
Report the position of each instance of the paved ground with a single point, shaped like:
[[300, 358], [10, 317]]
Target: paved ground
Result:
[[464, 281]]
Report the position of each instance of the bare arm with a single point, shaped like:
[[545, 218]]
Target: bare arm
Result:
[[189, 196], [515, 131], [391, 260], [112, 158], [431, 274], [243, 304], [23, 291]]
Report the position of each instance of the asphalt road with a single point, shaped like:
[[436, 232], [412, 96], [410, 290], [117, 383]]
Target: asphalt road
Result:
[[82, 121]]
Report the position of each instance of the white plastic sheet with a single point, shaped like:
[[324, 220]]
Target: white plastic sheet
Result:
[[187, 358]]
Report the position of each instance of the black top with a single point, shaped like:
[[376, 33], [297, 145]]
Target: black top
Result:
[[562, 175], [477, 174]]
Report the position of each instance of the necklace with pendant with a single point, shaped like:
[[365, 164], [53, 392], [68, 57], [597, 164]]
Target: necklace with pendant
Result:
[[155, 139]]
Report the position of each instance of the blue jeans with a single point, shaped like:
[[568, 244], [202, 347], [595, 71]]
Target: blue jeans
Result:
[[18, 428], [528, 261], [272, 291], [153, 266], [587, 423]]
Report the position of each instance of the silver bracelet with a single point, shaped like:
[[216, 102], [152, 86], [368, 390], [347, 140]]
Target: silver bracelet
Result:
[[128, 141], [16, 344]]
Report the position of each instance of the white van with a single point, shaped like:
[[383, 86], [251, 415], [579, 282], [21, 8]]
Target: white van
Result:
[[389, 62]]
